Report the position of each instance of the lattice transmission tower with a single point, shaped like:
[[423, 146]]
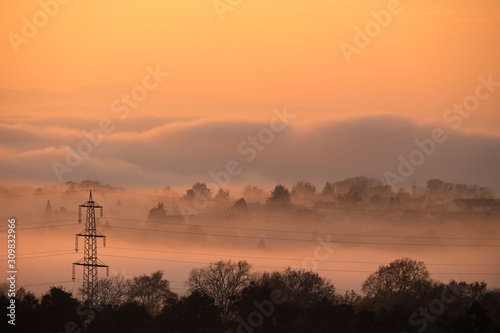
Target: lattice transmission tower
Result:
[[89, 261]]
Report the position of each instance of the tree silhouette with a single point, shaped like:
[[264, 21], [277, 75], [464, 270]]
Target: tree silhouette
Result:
[[195, 313], [435, 185], [293, 300], [252, 193], [198, 191], [328, 189], [240, 206], [152, 292], [251, 189], [222, 195], [158, 213], [222, 281], [400, 278], [57, 308], [303, 190], [270, 316], [114, 291], [48, 209], [302, 288], [128, 318], [279, 196]]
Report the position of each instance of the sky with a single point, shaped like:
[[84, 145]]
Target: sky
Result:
[[172, 90]]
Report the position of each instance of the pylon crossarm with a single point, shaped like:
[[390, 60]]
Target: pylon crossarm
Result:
[[86, 233], [88, 204], [100, 263], [79, 262], [90, 265]]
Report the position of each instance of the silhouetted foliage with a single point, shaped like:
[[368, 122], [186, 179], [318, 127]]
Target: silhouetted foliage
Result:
[[240, 206], [48, 209], [158, 213], [280, 196], [198, 191], [328, 190], [194, 313], [301, 287], [152, 292], [293, 300], [128, 318], [400, 279], [222, 195], [57, 309], [89, 184]]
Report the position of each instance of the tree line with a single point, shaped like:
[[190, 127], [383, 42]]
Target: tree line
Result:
[[228, 296]]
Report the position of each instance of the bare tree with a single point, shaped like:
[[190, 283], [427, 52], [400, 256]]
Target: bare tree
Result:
[[253, 193], [251, 189], [222, 281], [303, 189], [114, 291]]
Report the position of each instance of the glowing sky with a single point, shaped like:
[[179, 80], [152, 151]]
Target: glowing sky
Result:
[[234, 65]]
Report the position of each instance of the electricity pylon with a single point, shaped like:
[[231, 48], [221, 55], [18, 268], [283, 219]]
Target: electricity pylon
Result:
[[89, 261]]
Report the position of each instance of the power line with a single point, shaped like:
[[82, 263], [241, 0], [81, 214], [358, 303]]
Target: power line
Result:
[[216, 255], [49, 283], [37, 194], [293, 239], [278, 267], [303, 240], [265, 230], [42, 256], [46, 226], [281, 258], [44, 222], [305, 232]]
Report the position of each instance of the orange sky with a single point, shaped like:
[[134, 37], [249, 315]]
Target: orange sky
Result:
[[230, 68], [280, 51]]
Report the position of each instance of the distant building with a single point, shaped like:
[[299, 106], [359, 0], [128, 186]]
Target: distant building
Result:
[[474, 205]]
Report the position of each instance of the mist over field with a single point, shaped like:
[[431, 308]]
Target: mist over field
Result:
[[343, 242]]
